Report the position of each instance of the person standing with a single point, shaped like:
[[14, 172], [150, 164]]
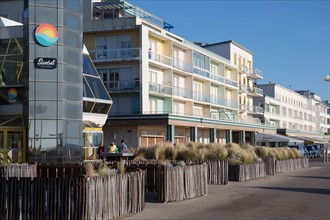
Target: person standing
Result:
[[101, 149], [122, 147]]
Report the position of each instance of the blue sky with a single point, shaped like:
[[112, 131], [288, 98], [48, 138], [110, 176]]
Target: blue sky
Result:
[[289, 39]]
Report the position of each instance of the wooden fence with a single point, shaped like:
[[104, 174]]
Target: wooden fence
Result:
[[182, 182], [72, 198], [292, 164], [217, 171], [245, 172], [270, 165], [18, 170]]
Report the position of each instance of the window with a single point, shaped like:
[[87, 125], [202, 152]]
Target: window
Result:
[[214, 94], [101, 47], [153, 105], [198, 111], [235, 59], [178, 107], [114, 79], [178, 58], [108, 13], [214, 68], [153, 77], [104, 74], [126, 52], [197, 88], [201, 61]]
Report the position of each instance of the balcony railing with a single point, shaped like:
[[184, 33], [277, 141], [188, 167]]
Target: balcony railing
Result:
[[115, 54], [185, 93], [160, 58], [122, 85], [251, 109], [243, 69], [202, 97], [231, 82], [201, 72], [255, 74], [217, 77], [255, 91], [180, 64], [243, 88], [158, 88]]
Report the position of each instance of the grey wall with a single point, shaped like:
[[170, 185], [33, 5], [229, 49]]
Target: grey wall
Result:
[[53, 108]]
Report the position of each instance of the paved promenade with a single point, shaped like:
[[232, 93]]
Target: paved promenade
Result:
[[300, 194]]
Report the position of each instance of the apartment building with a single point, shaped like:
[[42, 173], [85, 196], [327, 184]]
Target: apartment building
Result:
[[165, 88], [242, 59], [322, 115], [299, 113]]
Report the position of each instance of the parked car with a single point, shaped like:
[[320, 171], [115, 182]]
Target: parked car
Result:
[[301, 149], [312, 152]]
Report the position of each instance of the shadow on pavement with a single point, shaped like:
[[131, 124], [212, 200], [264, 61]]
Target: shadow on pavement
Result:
[[312, 177], [305, 190]]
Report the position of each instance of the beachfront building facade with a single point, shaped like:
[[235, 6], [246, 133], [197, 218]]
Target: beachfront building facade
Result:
[[299, 113], [248, 76], [165, 88]]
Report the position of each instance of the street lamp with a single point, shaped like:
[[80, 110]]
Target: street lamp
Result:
[[327, 79]]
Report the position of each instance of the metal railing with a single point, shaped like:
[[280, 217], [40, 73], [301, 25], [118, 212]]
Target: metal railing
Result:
[[115, 54], [122, 85], [202, 97], [185, 93], [159, 88], [217, 77], [243, 69], [182, 65], [160, 58], [256, 91]]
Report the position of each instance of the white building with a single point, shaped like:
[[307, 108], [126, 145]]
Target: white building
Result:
[[242, 59], [165, 88], [293, 113]]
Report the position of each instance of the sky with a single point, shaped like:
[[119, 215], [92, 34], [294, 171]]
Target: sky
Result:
[[289, 39]]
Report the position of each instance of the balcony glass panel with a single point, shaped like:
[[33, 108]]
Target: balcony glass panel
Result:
[[115, 54]]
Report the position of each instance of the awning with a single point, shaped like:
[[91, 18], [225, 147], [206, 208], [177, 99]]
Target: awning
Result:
[[310, 140], [265, 137]]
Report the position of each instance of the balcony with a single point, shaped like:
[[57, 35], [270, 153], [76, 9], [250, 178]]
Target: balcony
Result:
[[254, 91], [123, 85], [160, 89], [201, 97], [243, 69], [222, 101], [181, 92], [255, 74], [243, 89], [231, 82], [251, 109], [160, 58], [115, 54], [181, 65], [217, 78]]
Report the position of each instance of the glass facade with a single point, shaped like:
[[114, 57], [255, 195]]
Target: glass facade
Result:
[[96, 96], [54, 107]]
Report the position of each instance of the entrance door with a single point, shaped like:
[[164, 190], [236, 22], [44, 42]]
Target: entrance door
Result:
[[12, 145]]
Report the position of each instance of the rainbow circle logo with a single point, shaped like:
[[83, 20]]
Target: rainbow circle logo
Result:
[[46, 35], [12, 94]]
